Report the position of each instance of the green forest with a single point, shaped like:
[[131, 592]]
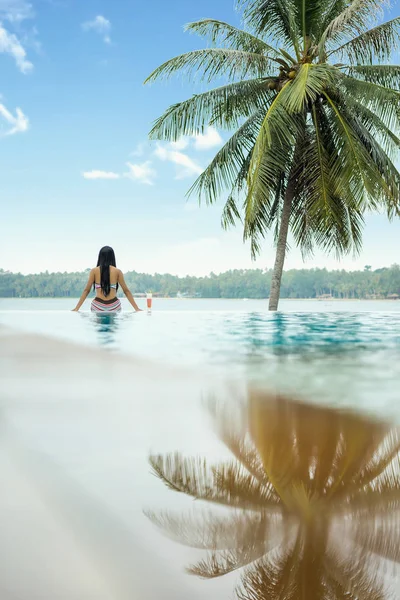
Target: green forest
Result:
[[248, 283]]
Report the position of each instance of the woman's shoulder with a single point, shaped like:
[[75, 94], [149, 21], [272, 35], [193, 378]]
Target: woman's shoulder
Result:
[[116, 272]]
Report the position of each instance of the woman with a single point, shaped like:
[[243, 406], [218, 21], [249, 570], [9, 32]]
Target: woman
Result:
[[105, 279]]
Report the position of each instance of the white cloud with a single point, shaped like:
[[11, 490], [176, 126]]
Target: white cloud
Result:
[[101, 25], [18, 123], [15, 11], [144, 172], [208, 140], [186, 166], [10, 44], [100, 175], [180, 144]]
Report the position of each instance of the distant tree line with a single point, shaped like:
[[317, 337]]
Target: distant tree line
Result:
[[239, 283]]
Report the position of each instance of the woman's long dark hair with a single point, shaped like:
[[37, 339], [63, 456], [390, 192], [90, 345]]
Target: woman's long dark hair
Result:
[[105, 261]]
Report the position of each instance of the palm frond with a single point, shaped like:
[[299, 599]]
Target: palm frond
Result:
[[343, 235], [351, 579], [384, 102], [214, 63], [230, 37], [233, 432], [271, 157], [268, 218], [387, 76], [230, 213], [273, 19], [285, 448], [381, 540], [218, 564], [324, 218], [376, 482], [237, 483], [275, 211], [310, 81], [206, 531], [277, 122], [273, 577], [381, 174], [223, 107], [258, 538], [227, 484], [262, 206], [389, 141], [308, 17], [376, 43], [373, 503], [353, 164], [332, 9], [302, 229], [338, 232], [300, 218], [384, 465], [223, 171], [291, 60], [351, 21], [386, 175], [328, 213], [291, 438]]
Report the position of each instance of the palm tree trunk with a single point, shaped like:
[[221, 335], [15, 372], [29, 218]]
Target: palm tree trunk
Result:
[[281, 248]]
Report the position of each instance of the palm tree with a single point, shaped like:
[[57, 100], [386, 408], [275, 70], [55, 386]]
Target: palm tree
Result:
[[312, 497], [315, 111]]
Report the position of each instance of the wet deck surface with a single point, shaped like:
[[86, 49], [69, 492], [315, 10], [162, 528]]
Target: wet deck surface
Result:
[[77, 428]]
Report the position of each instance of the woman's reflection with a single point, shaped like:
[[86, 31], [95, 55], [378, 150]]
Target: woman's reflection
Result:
[[106, 326], [312, 498]]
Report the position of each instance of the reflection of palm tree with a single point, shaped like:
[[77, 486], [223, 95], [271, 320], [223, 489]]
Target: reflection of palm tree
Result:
[[308, 494]]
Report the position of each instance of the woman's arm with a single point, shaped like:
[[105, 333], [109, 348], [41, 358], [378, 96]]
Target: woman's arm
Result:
[[86, 291], [127, 291]]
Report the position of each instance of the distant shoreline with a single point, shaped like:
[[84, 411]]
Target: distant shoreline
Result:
[[389, 300], [305, 284]]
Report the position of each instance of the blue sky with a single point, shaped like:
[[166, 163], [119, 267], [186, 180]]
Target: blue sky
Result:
[[77, 171]]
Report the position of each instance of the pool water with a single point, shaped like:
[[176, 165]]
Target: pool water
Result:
[[341, 352]]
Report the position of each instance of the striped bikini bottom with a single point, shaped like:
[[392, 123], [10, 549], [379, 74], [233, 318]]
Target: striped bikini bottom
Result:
[[100, 305]]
